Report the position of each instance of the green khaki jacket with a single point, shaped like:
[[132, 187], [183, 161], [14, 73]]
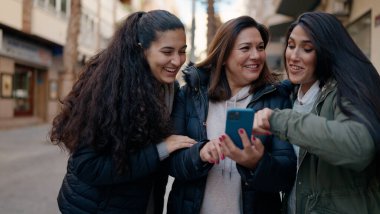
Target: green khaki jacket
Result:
[[336, 162]]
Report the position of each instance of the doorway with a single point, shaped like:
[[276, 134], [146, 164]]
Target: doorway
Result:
[[23, 90]]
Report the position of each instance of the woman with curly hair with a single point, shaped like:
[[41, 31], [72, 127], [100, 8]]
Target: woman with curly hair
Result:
[[115, 122]]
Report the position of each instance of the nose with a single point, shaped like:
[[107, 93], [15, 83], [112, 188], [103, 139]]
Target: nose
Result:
[[176, 60], [294, 55], [254, 54]]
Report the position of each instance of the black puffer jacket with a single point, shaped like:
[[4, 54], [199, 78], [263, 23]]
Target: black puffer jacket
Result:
[[92, 186], [260, 187]]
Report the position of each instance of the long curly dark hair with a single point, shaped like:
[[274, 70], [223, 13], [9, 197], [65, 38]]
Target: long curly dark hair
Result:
[[114, 106]]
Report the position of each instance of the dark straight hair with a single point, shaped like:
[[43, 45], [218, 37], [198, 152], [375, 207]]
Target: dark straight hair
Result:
[[340, 58]]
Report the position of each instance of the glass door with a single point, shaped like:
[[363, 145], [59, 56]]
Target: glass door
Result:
[[23, 90]]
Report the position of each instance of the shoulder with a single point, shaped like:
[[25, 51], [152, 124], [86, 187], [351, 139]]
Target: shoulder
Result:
[[285, 87], [195, 77], [270, 97]]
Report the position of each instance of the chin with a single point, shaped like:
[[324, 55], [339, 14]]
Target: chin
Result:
[[168, 81]]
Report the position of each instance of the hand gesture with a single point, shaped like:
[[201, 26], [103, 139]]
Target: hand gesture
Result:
[[249, 156], [211, 152], [261, 123], [174, 142]]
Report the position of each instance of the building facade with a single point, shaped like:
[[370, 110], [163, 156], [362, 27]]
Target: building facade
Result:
[[32, 39]]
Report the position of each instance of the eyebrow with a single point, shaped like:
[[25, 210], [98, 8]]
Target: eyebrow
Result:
[[169, 47], [303, 41], [250, 43]]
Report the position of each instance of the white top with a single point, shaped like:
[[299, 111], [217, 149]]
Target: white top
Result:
[[303, 104], [223, 186]]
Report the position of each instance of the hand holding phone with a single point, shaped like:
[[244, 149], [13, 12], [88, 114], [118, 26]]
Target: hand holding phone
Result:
[[239, 118]]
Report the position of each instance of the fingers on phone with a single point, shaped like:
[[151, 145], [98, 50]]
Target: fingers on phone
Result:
[[244, 138], [227, 144]]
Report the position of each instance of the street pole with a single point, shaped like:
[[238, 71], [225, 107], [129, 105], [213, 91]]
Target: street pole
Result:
[[192, 55]]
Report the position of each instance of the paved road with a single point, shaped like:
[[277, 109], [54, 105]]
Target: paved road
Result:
[[31, 171]]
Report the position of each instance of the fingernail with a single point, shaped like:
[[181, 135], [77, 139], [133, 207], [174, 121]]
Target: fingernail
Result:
[[222, 157], [224, 137], [253, 138], [241, 131], [220, 139]]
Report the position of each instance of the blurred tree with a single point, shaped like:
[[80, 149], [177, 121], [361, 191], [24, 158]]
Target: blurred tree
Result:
[[213, 21], [211, 24], [70, 52]]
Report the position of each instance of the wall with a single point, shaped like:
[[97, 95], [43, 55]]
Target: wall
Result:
[[48, 25], [11, 13], [6, 110]]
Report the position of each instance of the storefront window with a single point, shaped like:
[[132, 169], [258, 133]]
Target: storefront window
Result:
[[360, 31]]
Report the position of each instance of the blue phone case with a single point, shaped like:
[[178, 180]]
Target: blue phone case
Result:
[[239, 118]]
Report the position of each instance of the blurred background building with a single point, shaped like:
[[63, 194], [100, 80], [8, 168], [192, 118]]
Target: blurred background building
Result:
[[41, 55]]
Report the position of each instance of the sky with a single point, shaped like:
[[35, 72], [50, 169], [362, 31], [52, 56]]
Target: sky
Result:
[[227, 9]]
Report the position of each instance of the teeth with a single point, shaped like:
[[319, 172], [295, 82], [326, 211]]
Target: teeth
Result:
[[172, 70], [252, 66], [295, 67]]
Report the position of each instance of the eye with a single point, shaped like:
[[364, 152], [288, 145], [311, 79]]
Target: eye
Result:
[[182, 51], [291, 46], [167, 52], [244, 48], [260, 48], [308, 49]]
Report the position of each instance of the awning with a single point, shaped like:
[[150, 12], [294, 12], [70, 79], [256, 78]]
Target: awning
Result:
[[290, 8], [278, 31], [294, 8]]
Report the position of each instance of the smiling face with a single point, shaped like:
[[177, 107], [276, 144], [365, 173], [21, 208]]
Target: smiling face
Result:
[[301, 59], [246, 60], [167, 54]]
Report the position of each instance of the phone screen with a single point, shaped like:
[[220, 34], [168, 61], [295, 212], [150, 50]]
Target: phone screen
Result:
[[239, 118]]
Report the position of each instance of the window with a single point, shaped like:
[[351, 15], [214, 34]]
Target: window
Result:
[[60, 7]]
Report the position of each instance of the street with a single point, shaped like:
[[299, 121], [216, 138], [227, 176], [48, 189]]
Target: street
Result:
[[31, 171]]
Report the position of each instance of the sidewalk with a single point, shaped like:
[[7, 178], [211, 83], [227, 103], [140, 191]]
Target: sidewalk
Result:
[[31, 171], [6, 124]]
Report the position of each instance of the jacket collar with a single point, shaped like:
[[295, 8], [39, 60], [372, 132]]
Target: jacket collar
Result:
[[262, 91], [195, 77], [328, 87]]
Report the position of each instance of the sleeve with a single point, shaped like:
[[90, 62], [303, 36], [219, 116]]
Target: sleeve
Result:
[[276, 170], [185, 164], [163, 152], [340, 141], [98, 169]]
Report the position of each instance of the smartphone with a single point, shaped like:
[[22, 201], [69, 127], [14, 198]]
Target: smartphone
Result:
[[239, 118]]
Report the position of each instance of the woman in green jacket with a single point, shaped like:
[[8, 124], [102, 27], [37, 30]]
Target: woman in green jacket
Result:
[[335, 122]]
